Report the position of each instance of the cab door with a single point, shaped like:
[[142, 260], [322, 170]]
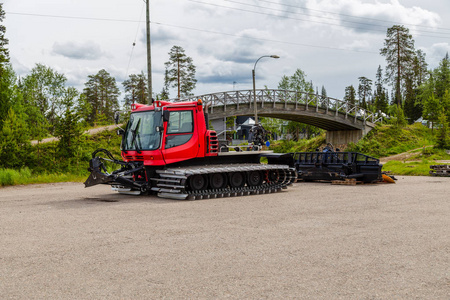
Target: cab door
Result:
[[181, 138]]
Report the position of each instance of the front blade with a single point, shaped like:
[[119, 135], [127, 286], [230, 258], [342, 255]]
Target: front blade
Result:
[[97, 176]]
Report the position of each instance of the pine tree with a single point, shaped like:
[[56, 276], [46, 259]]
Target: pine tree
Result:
[[14, 141], [445, 102], [7, 83], [431, 109], [136, 90], [180, 72], [84, 109], [350, 95], [442, 77], [400, 120], [399, 52], [102, 94], [164, 95], [364, 91], [4, 53], [415, 76], [420, 70], [5, 71], [324, 92], [443, 135], [434, 94], [413, 110], [36, 121], [380, 94], [68, 128]]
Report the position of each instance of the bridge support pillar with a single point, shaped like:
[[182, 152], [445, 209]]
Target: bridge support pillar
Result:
[[340, 137]]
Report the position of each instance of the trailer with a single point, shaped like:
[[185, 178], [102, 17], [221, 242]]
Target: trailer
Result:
[[330, 165]]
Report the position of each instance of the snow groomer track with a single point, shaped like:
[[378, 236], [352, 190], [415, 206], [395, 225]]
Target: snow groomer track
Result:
[[217, 181]]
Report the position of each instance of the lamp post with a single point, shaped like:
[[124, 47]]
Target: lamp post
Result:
[[254, 88]]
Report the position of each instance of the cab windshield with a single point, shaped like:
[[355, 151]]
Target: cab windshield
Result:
[[141, 133]]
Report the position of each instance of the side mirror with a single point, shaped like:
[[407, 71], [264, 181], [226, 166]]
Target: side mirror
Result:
[[120, 131], [166, 115]]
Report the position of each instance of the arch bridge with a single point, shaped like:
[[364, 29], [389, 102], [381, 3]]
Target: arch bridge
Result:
[[344, 122]]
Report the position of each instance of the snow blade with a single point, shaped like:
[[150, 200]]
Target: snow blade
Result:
[[97, 176]]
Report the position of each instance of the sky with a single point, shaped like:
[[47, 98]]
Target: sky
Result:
[[333, 41]]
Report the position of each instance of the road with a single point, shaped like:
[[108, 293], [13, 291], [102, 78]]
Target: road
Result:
[[312, 241], [91, 131]]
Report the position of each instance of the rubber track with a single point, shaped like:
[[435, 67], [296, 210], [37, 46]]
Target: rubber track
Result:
[[172, 183]]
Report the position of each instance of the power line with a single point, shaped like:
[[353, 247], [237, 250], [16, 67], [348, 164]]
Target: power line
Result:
[[200, 2], [334, 19], [195, 29], [312, 21], [346, 15], [261, 39], [72, 17], [135, 37]]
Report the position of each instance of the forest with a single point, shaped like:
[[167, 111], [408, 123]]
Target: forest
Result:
[[41, 104]]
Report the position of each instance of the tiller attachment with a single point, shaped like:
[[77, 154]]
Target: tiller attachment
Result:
[[122, 178]]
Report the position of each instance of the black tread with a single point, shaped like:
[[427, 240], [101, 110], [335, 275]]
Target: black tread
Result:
[[173, 183]]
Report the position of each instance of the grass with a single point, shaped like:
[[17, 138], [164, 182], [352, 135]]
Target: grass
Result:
[[25, 176], [419, 164], [415, 168], [12, 177], [387, 140]]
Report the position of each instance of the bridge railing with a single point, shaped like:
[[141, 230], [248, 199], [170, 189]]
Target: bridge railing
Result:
[[265, 97]]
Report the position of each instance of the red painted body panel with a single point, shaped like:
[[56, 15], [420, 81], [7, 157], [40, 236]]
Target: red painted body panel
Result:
[[196, 145]]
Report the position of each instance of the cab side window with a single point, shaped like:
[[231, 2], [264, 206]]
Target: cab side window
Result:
[[180, 128]]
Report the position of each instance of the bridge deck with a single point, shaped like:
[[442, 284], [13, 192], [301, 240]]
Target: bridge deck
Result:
[[324, 112]]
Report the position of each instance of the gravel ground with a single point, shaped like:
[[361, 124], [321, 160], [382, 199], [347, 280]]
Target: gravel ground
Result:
[[312, 241]]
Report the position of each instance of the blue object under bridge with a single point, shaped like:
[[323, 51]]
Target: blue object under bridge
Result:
[[344, 122]]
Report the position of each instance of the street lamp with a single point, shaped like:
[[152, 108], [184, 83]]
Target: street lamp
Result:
[[254, 89]]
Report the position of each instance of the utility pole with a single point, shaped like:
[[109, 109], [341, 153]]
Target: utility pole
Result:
[[149, 54]]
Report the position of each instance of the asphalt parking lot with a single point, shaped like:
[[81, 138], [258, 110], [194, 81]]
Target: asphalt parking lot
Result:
[[311, 241]]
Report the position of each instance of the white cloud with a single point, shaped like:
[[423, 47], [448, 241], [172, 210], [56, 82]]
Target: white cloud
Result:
[[357, 44], [435, 53], [87, 50], [366, 16], [20, 69]]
